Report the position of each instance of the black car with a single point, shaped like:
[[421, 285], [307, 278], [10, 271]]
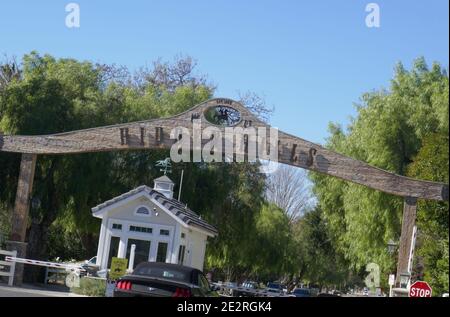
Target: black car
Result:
[[275, 288], [163, 280], [301, 292]]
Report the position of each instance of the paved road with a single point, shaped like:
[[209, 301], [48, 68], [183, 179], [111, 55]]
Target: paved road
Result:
[[28, 291]]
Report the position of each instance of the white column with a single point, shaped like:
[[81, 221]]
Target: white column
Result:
[[101, 243], [201, 255], [105, 250], [122, 248], [153, 250], [131, 261], [175, 244], [189, 250]]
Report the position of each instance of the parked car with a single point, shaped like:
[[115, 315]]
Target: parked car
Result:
[[273, 287], [327, 295], [230, 289], [301, 292], [231, 284], [250, 284], [163, 279], [90, 266], [245, 289], [337, 293]]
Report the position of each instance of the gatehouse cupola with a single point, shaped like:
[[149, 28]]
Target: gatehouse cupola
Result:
[[164, 185]]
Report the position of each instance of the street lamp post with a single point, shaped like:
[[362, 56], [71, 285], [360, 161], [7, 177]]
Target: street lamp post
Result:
[[392, 248], [35, 203], [405, 277]]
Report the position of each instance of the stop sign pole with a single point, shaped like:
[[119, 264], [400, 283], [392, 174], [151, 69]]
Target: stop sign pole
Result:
[[420, 289]]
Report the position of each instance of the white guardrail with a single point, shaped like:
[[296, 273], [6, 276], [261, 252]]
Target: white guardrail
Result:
[[73, 270], [68, 267], [11, 265]]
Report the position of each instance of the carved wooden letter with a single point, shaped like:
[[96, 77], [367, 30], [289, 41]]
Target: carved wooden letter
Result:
[[142, 135], [312, 152], [124, 136], [159, 135], [293, 156]]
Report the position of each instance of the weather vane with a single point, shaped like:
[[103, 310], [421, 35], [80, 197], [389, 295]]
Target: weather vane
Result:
[[165, 165]]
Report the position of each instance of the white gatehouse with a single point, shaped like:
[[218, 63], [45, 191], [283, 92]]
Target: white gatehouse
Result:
[[162, 228]]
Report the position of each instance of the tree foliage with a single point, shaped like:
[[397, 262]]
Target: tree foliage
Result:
[[48, 95], [318, 263], [403, 130], [391, 128], [431, 163]]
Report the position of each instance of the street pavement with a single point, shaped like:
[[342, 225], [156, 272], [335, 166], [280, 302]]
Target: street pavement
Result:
[[32, 291]]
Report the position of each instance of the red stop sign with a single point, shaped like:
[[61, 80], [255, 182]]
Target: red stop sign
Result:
[[420, 289]]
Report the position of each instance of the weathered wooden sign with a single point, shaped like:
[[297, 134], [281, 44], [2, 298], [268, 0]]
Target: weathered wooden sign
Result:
[[223, 115]]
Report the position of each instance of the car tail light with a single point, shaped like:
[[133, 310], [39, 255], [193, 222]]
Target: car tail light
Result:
[[124, 285], [181, 292]]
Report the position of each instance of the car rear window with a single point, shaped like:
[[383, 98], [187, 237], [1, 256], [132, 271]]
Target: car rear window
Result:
[[301, 291], [166, 273]]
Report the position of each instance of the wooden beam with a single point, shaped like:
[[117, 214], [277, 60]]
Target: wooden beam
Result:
[[319, 159], [406, 238], [23, 194], [293, 150]]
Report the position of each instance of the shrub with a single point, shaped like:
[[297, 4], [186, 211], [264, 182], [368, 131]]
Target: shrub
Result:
[[91, 287]]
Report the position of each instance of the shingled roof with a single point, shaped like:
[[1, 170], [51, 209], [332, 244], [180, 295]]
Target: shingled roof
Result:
[[171, 205]]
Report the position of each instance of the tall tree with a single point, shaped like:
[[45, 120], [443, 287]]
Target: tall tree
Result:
[[55, 95], [432, 163], [289, 189], [389, 130], [316, 259]]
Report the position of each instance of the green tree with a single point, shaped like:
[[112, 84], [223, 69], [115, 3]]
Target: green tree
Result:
[[270, 252], [48, 95], [317, 261], [388, 131], [431, 163]]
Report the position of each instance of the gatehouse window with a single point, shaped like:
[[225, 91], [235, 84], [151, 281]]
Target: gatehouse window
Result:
[[181, 252], [142, 211], [164, 232], [141, 229], [117, 226], [164, 186], [141, 252], [113, 249], [162, 252]]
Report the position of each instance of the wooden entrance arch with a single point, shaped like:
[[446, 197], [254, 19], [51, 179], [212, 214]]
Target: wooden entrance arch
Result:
[[155, 133]]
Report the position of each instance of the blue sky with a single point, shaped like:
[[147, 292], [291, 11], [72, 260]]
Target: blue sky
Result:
[[310, 59]]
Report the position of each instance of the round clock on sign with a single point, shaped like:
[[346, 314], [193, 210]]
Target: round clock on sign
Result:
[[223, 115]]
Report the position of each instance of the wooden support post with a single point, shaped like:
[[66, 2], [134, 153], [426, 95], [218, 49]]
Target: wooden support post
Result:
[[406, 238], [23, 194], [21, 209]]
